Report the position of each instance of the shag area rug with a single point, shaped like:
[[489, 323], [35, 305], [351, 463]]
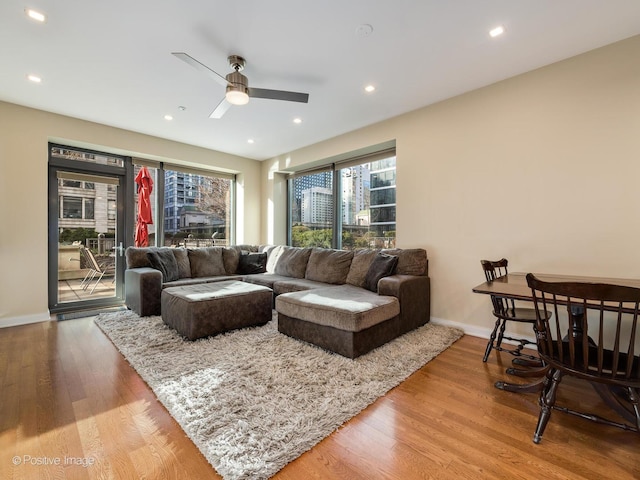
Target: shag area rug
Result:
[[253, 400]]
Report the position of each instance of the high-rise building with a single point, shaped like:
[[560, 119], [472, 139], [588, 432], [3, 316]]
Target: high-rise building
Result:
[[383, 196], [355, 193], [317, 206], [180, 190], [307, 182]]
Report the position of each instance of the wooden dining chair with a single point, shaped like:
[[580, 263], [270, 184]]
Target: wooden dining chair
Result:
[[505, 311], [592, 334]]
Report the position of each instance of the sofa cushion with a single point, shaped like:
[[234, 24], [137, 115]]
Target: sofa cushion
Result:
[[137, 257], [328, 266], [411, 261], [206, 262], [293, 262], [182, 259], [345, 307], [197, 281], [230, 258], [296, 285], [359, 266], [273, 255], [250, 263], [165, 261], [264, 279], [383, 265]]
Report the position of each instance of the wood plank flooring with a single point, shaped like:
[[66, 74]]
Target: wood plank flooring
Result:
[[71, 407]]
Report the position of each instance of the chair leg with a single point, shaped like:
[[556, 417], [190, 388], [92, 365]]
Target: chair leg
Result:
[[491, 340], [97, 282], [635, 400], [503, 326], [547, 401]]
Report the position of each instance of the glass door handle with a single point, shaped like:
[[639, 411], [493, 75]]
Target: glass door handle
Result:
[[120, 249]]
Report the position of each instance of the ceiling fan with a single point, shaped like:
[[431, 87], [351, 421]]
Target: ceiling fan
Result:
[[238, 90]]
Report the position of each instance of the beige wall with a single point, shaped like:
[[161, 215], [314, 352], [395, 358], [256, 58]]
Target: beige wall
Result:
[[24, 135], [543, 169]]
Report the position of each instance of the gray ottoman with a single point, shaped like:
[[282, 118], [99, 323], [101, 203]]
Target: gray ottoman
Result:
[[200, 310], [347, 320]]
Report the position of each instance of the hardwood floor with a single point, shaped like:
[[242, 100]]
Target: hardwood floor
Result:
[[68, 397]]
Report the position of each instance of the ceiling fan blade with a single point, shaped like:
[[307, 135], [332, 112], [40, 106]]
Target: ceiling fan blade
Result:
[[220, 110], [279, 95], [201, 67]]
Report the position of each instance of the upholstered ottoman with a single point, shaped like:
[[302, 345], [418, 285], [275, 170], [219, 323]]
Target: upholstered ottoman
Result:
[[344, 319], [200, 310]]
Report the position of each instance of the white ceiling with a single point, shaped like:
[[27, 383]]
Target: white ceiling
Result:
[[110, 61]]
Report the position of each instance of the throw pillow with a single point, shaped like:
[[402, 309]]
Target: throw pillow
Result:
[[165, 261], [250, 263], [383, 265]]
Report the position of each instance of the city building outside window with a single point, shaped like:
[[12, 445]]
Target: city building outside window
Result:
[[197, 208], [363, 214]]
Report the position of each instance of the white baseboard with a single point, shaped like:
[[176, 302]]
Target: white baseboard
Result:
[[24, 319], [480, 332]]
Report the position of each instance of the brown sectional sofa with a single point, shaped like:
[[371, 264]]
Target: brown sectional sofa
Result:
[[331, 298]]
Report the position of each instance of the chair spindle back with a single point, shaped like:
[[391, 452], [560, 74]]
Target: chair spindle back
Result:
[[593, 330]]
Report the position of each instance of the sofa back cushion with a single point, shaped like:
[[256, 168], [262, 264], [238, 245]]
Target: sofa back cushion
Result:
[[273, 254], [137, 256], [182, 259], [329, 266], [292, 262], [359, 266], [230, 258], [411, 261], [206, 262]]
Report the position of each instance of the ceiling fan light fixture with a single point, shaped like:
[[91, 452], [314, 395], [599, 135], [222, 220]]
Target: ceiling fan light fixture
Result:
[[236, 96], [35, 15]]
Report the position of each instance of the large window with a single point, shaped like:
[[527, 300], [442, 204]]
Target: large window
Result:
[[349, 205], [194, 210], [311, 210]]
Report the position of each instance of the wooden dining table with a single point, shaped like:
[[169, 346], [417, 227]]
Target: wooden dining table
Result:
[[514, 286]]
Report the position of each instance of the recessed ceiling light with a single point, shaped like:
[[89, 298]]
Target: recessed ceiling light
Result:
[[250, 140], [168, 117], [35, 15], [34, 78], [497, 31], [297, 120], [369, 88]]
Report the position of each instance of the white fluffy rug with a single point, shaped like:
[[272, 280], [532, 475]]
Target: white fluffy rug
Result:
[[253, 400]]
